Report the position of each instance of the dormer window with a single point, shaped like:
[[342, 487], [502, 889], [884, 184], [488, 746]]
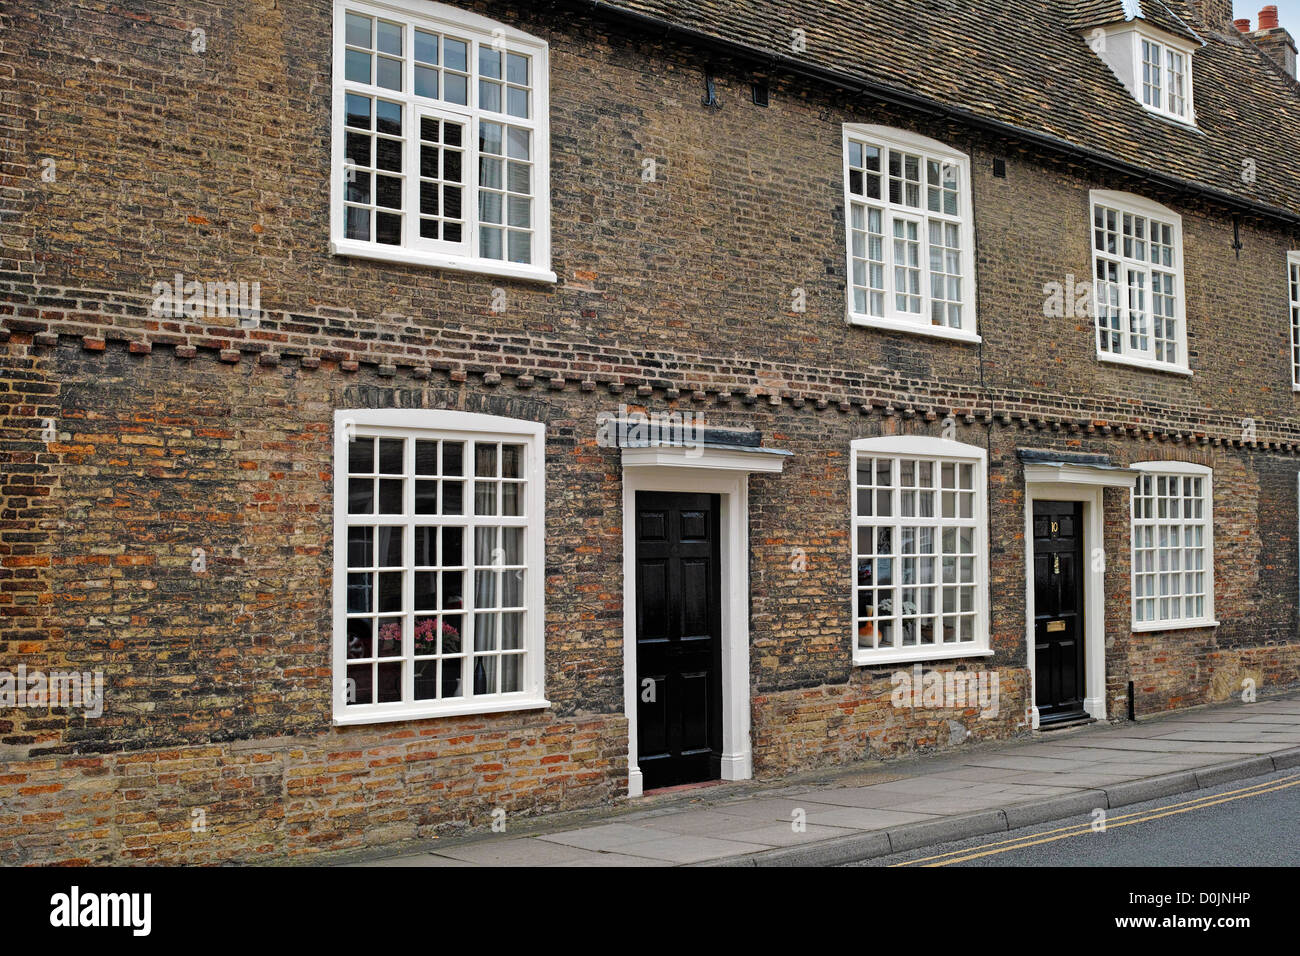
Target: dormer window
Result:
[[1153, 59]]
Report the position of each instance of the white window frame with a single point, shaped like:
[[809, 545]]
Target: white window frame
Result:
[[1174, 469], [413, 424], [924, 447], [1293, 299], [1165, 46], [1122, 203], [477, 30], [887, 138]]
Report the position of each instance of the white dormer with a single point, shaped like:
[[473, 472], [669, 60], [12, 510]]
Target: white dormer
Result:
[[1154, 64]]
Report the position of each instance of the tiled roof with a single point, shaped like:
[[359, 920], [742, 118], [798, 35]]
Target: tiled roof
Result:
[[1157, 13], [1026, 63]]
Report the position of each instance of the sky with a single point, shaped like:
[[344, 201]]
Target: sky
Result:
[[1288, 13]]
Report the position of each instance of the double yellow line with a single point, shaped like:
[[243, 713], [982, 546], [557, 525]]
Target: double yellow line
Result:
[[1111, 823]]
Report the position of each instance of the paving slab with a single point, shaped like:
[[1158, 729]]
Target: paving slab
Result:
[[780, 834], [924, 786], [702, 822], [608, 836], [519, 851], [1032, 763], [420, 859], [874, 798], [690, 849], [616, 859], [865, 818], [985, 775], [767, 810]]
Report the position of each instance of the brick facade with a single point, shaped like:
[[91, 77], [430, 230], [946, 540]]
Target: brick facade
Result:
[[180, 438]]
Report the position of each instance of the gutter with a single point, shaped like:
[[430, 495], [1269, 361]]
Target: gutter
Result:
[[846, 82]]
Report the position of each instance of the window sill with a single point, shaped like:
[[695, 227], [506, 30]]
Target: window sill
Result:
[[1149, 628], [915, 655], [372, 714], [915, 328], [1178, 121], [1147, 364], [490, 267]]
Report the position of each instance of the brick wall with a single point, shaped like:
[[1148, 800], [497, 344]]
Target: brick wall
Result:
[[180, 435]]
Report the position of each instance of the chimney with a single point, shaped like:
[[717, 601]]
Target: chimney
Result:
[[1242, 25], [1275, 40], [1216, 14]]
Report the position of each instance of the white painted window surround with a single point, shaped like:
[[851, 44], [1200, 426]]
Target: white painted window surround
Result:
[[1154, 66], [909, 233], [1140, 315], [438, 604], [1172, 508], [920, 549], [1293, 288], [440, 147]]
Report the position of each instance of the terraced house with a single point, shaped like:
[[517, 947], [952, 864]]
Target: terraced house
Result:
[[416, 410]]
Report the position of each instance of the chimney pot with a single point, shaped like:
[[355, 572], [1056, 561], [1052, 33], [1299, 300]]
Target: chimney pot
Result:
[[1242, 25], [1268, 18]]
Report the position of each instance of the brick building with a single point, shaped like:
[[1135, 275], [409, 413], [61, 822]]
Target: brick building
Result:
[[413, 410]]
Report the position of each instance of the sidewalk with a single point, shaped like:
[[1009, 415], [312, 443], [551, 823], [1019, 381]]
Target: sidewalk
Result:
[[873, 809]]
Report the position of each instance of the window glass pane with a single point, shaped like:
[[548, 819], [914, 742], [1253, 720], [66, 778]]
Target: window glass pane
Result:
[[358, 30], [456, 88], [388, 73], [517, 68], [426, 47], [388, 117], [518, 143], [356, 66], [358, 111], [519, 177], [519, 246], [389, 36], [455, 54], [517, 102]]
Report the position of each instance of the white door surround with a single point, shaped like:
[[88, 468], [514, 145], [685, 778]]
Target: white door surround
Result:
[[727, 475], [1070, 482]]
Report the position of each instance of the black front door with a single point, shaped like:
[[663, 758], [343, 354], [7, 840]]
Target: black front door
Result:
[[678, 639], [1058, 609]]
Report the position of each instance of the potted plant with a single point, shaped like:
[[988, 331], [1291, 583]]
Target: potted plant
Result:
[[426, 642]]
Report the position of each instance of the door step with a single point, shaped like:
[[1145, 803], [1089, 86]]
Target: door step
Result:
[[1065, 723]]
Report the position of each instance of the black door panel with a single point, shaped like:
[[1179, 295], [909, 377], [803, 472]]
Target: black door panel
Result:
[[679, 646], [1058, 610]]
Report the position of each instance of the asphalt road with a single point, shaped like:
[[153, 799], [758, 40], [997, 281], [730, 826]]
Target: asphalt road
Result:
[[1253, 822]]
